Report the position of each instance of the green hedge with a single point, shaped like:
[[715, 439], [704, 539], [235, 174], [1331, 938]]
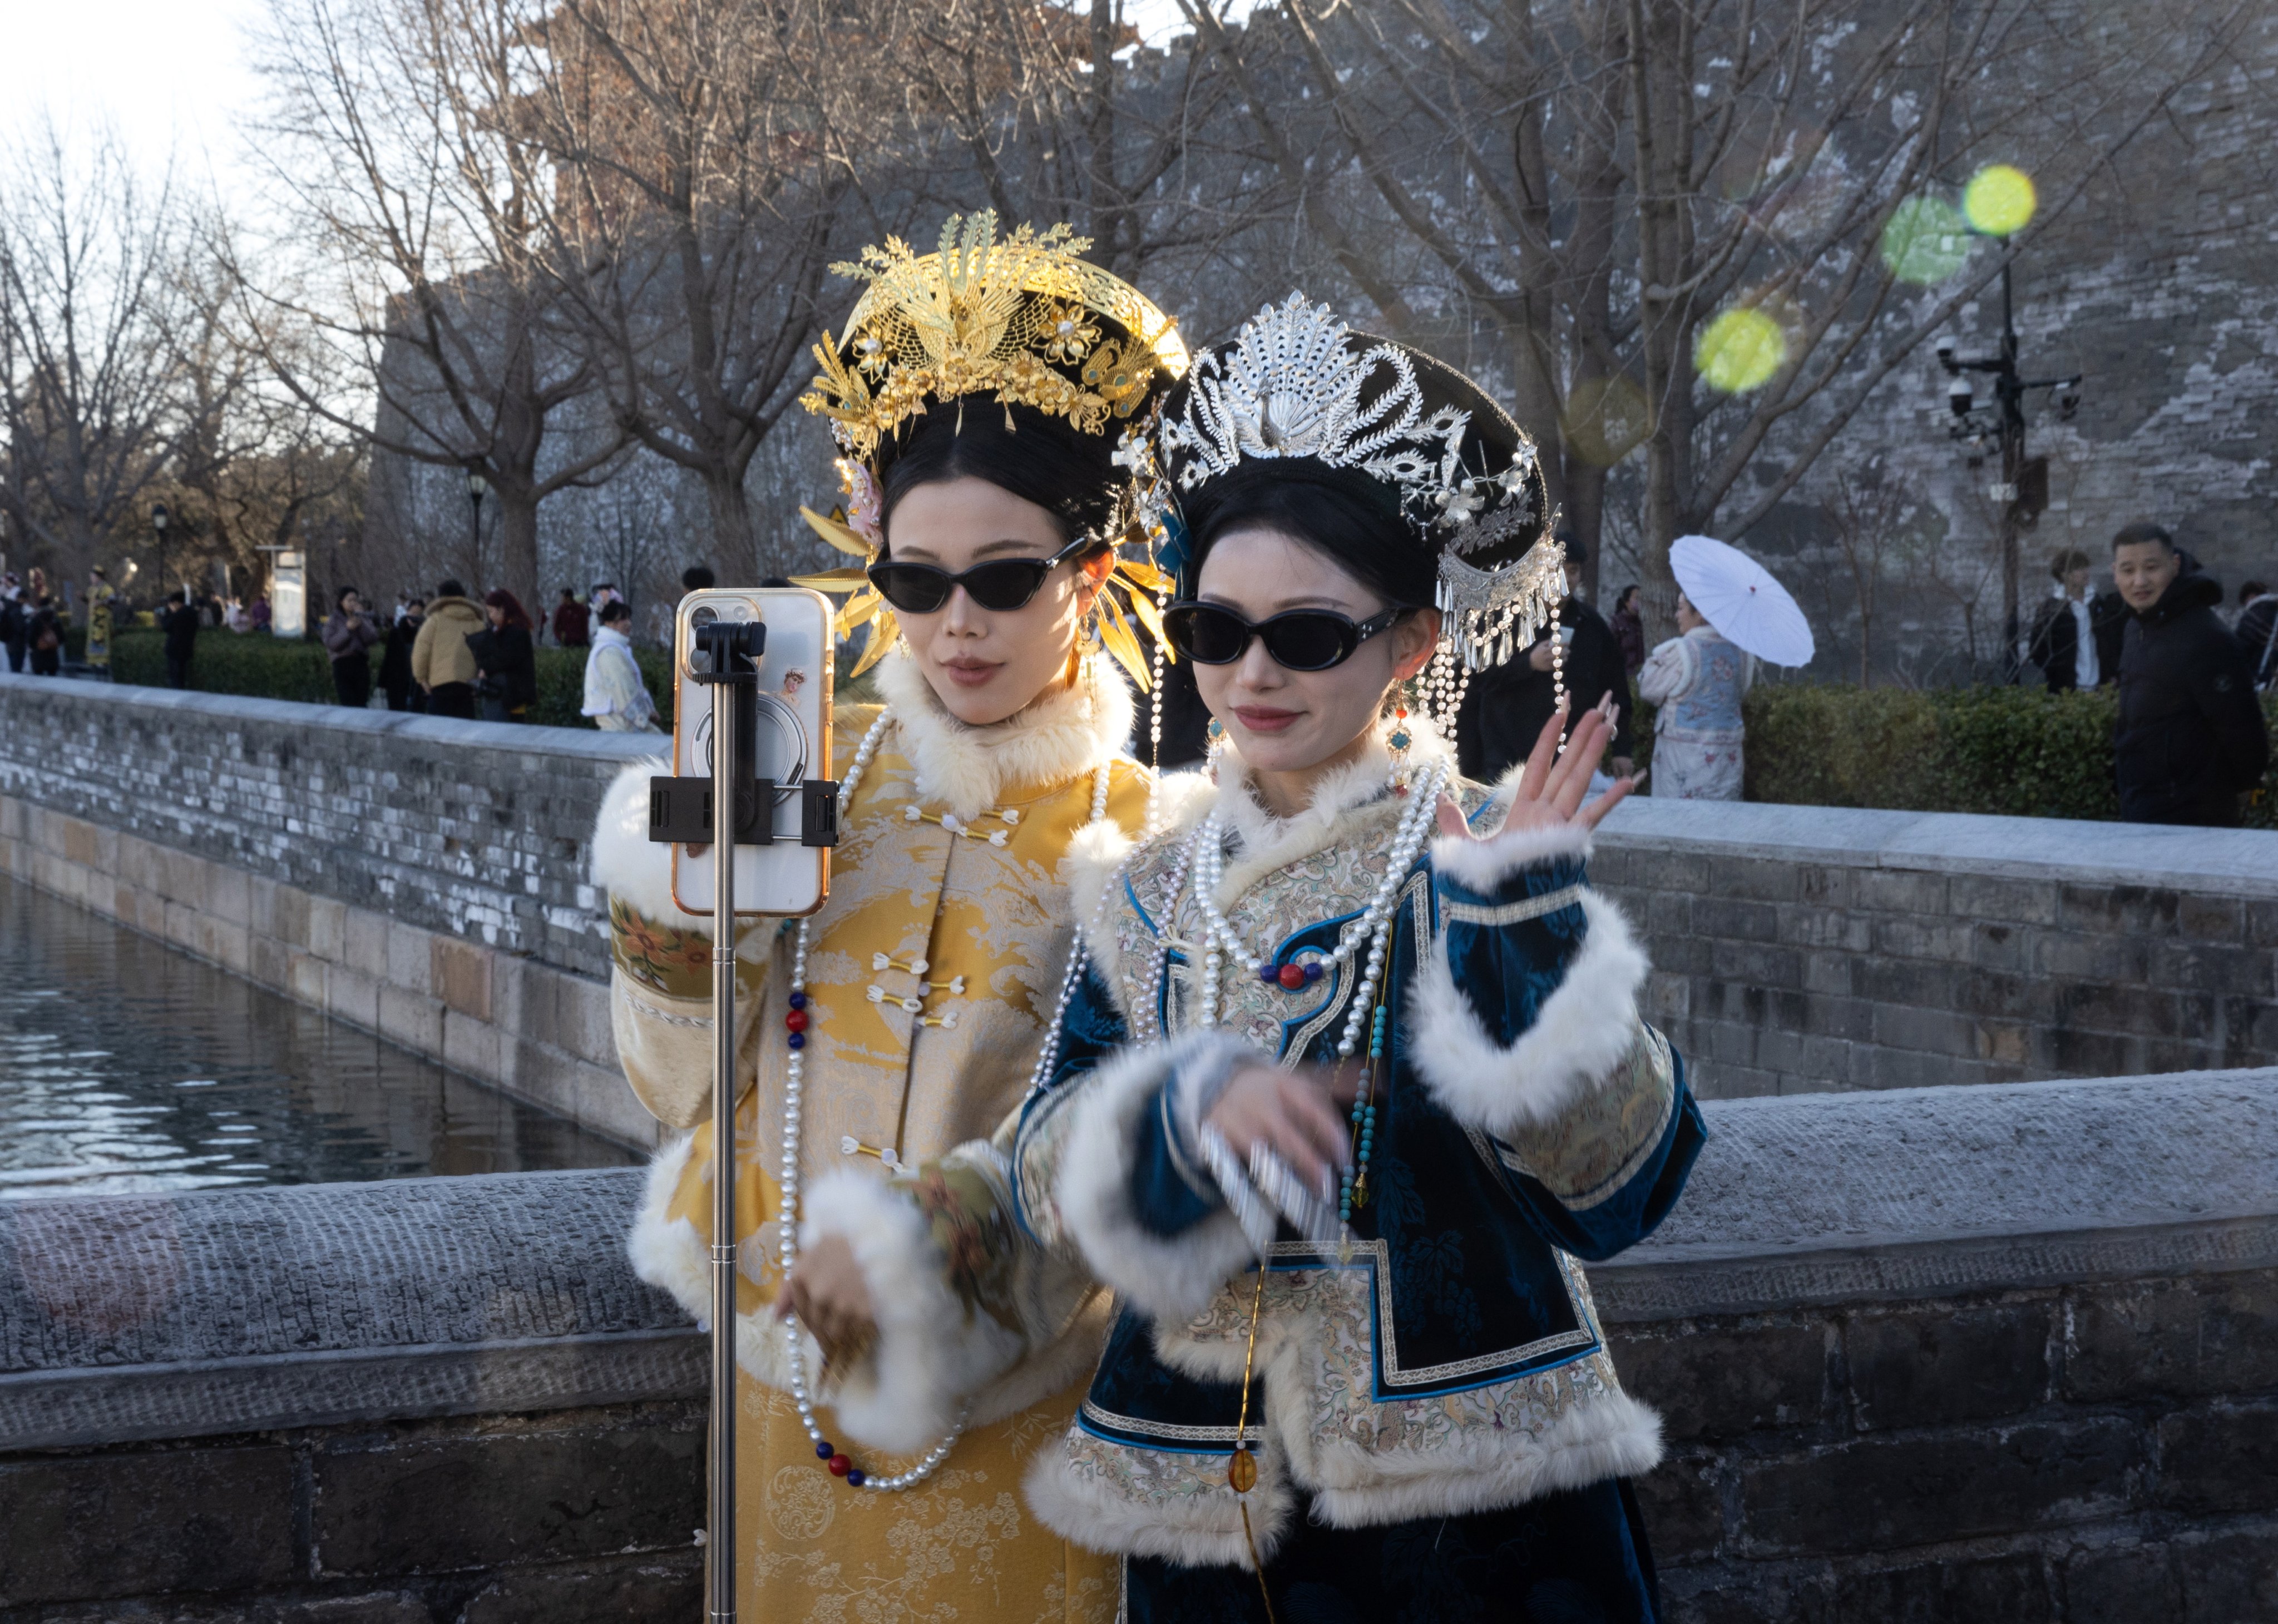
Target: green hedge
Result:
[[2015, 751]]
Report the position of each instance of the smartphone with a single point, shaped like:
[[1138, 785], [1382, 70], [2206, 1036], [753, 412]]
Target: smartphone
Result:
[[793, 744]]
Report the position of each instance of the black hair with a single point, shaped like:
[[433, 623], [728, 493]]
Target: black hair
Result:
[[2068, 559], [449, 589], [1353, 519], [2250, 590], [616, 609], [342, 597], [2140, 531], [570, 593], [1069, 474], [1622, 596], [697, 579], [176, 597]]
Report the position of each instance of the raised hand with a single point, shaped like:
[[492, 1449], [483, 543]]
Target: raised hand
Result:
[[1550, 791]]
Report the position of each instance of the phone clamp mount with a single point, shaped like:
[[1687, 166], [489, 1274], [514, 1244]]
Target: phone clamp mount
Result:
[[680, 809]]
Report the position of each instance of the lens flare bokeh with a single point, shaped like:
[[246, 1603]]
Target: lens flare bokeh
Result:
[[1925, 242], [2000, 200], [1741, 349]]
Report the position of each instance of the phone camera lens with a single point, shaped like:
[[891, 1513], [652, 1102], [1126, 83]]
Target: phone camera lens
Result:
[[703, 616]]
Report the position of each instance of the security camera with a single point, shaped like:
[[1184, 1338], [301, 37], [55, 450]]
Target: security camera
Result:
[[1959, 396], [1946, 350], [2067, 404]]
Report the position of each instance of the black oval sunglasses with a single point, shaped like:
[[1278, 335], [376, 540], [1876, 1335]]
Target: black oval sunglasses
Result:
[[1298, 640], [1003, 585]]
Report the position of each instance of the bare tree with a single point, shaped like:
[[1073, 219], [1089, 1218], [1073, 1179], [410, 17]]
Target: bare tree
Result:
[[1868, 509], [701, 152], [427, 322], [1597, 182], [92, 319]]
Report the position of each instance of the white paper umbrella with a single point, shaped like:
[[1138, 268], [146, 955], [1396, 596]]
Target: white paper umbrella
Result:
[[1738, 596]]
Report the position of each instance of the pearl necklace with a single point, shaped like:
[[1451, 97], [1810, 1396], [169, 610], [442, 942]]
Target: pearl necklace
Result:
[[1205, 860], [786, 1219]]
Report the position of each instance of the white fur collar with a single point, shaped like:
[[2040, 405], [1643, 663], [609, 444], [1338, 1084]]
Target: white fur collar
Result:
[[1069, 730], [1343, 799]]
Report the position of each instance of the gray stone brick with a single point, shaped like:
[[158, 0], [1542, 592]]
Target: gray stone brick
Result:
[[1884, 1494], [1983, 897], [1938, 1365], [1894, 890], [2226, 1460], [2192, 1338], [502, 1495], [1735, 920], [130, 1522], [1752, 880]]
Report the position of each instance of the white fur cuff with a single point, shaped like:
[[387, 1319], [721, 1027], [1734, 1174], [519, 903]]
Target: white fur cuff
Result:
[[933, 1351], [1580, 1038], [1172, 1278], [1484, 866], [626, 863]]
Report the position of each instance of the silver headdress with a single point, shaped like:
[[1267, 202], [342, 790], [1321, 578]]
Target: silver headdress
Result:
[[1298, 382]]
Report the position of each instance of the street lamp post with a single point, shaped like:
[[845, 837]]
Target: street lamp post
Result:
[[475, 486], [158, 519], [2023, 490]]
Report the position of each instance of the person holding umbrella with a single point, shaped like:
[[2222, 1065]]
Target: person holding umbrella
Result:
[[1730, 612]]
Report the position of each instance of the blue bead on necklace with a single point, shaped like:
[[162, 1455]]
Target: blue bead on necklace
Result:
[[1353, 1186]]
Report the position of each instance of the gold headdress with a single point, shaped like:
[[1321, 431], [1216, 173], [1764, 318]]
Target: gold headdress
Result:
[[1021, 321]]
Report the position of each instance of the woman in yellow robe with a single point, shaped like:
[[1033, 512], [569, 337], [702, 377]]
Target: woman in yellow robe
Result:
[[905, 1018]]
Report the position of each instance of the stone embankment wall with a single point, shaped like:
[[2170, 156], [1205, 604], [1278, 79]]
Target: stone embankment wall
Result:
[[425, 879], [1809, 948], [1922, 1355], [417, 877]]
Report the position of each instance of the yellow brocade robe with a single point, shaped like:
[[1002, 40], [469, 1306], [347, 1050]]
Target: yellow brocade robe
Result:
[[932, 871]]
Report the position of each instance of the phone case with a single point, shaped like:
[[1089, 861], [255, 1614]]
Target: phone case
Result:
[[796, 671]]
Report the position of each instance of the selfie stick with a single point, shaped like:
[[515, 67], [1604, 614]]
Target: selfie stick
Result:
[[734, 677], [733, 806]]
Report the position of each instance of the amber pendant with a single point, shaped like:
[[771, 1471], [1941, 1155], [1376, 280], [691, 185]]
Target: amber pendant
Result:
[[1241, 1471]]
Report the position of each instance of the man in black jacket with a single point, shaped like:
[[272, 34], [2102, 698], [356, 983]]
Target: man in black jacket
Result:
[[1507, 704], [2076, 643], [2191, 737], [180, 624], [15, 621]]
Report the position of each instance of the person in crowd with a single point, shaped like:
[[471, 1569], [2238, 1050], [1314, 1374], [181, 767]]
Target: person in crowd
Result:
[[261, 613], [1349, 1025], [1628, 626], [15, 621], [180, 622], [617, 697], [1697, 679], [2077, 638], [395, 679], [235, 617], [102, 602], [1508, 705], [441, 663], [604, 594], [571, 620], [908, 1013], [506, 665], [348, 634], [2257, 631], [2191, 736], [43, 633], [697, 579]]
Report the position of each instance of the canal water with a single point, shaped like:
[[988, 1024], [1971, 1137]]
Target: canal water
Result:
[[128, 1066]]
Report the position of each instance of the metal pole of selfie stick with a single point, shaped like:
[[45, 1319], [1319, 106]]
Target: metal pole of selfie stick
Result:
[[734, 679]]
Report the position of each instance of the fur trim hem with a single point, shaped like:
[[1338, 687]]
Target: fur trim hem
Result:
[[1067, 731], [667, 1252], [626, 863], [933, 1349], [1612, 1437], [1193, 1532], [1580, 1037], [1170, 1279], [1483, 866]]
